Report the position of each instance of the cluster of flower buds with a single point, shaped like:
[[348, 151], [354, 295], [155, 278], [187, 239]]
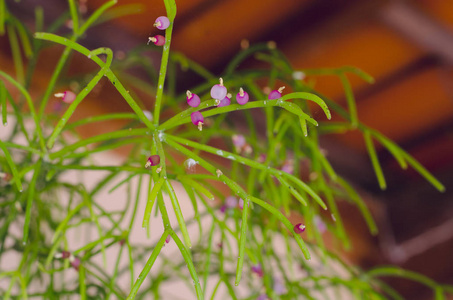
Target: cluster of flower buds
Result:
[[220, 94], [161, 23], [73, 260]]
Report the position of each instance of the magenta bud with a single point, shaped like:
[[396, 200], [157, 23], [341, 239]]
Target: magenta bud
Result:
[[224, 102], [158, 40], [299, 228], [168, 239], [192, 99], [67, 96], [219, 91], [65, 254], [197, 119], [275, 94], [242, 97], [75, 262], [153, 160], [223, 209], [257, 270], [162, 23]]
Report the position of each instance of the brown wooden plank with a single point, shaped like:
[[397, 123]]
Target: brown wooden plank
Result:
[[413, 106], [368, 45]]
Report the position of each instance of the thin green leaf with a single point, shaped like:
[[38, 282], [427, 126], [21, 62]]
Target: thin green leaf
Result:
[[374, 160], [12, 166]]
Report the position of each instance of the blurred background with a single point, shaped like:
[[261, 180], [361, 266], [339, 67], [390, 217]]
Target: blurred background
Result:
[[407, 46]]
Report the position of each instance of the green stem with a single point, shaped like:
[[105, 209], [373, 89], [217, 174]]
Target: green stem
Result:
[[162, 74]]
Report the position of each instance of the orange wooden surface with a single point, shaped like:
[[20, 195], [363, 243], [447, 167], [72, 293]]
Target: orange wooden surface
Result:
[[370, 46], [409, 108]]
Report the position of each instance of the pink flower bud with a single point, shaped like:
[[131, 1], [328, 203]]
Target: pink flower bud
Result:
[[231, 202], [275, 94], [197, 119], [158, 40], [153, 160], [218, 91], [162, 23], [67, 96], [225, 101], [193, 99], [242, 97], [238, 140], [257, 270], [299, 228]]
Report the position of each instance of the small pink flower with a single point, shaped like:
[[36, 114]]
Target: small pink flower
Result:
[[67, 96], [192, 99], [75, 262], [158, 40], [168, 239], [275, 94], [238, 141], [153, 160], [299, 228], [197, 119], [242, 97], [288, 167], [162, 23], [231, 202], [257, 270], [225, 101], [219, 91]]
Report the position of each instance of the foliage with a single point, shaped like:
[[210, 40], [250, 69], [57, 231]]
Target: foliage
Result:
[[46, 207]]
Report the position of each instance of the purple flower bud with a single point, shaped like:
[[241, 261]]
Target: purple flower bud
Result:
[[241, 203], [192, 99], [75, 262], [257, 270], [67, 96], [231, 202], [168, 239], [223, 209], [158, 40], [288, 167], [299, 228], [275, 94], [225, 101], [153, 160], [197, 119], [242, 97], [238, 140], [219, 91], [162, 23]]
